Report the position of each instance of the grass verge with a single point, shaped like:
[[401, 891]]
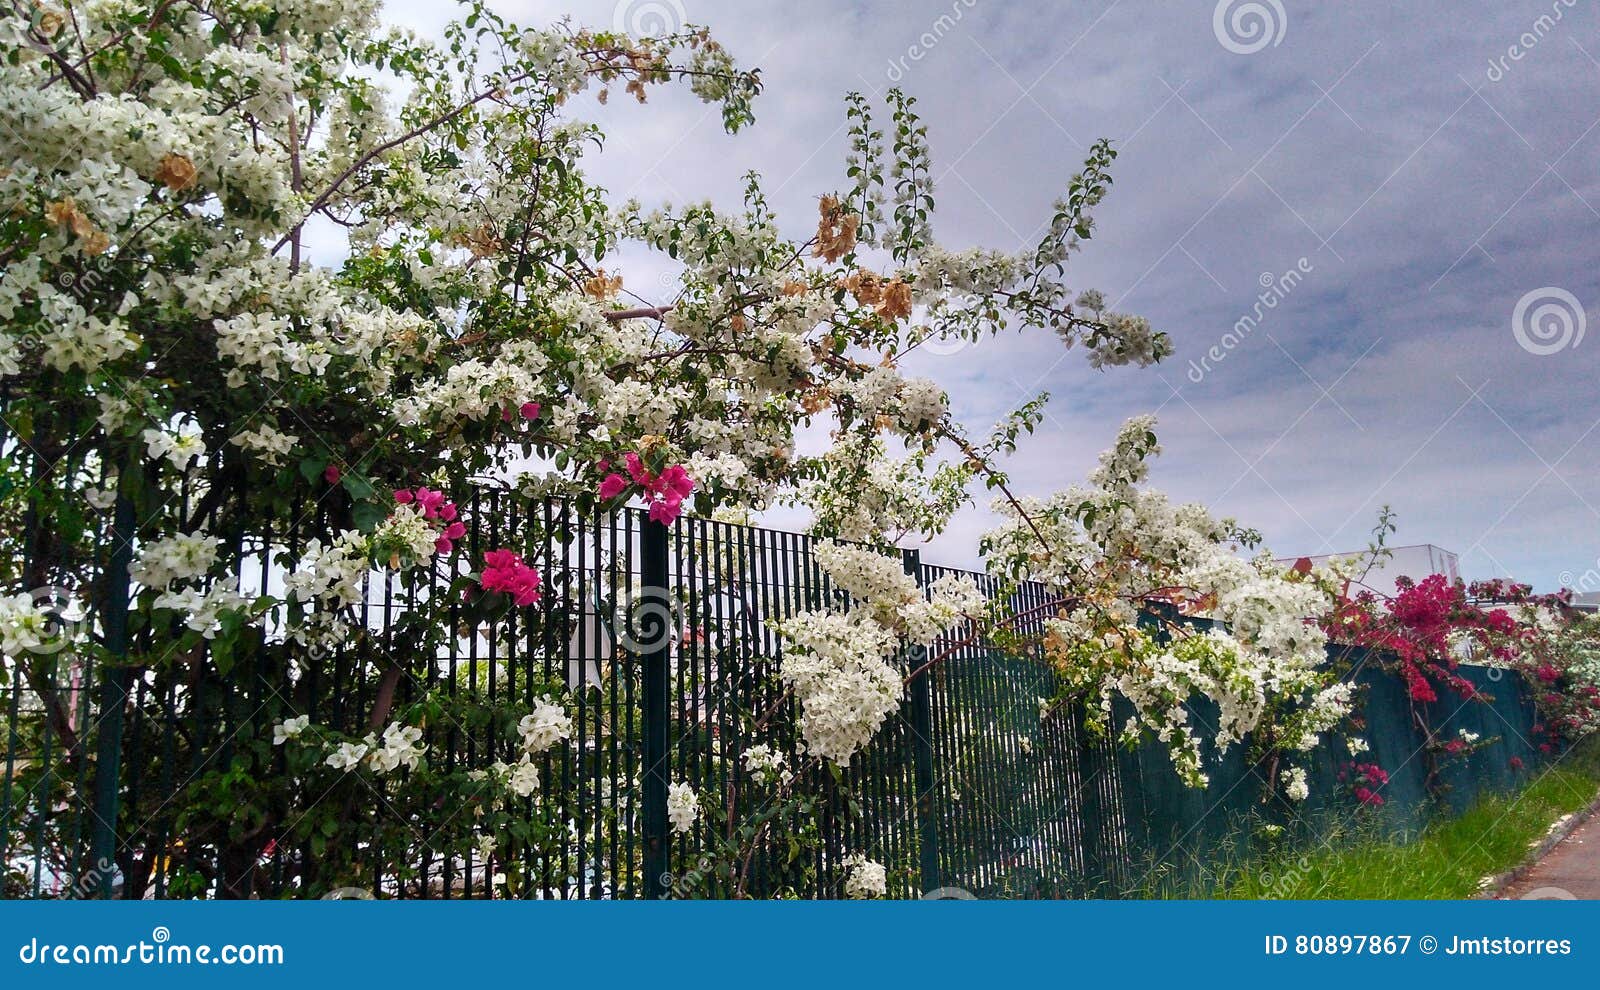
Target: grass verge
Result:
[[1449, 860]]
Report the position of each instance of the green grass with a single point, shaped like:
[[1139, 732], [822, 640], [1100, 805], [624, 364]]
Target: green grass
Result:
[[1448, 860]]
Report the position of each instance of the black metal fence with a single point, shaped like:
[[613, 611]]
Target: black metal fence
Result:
[[662, 640]]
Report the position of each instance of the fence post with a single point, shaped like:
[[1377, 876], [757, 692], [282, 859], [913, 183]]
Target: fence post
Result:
[[655, 663], [113, 699], [922, 741]]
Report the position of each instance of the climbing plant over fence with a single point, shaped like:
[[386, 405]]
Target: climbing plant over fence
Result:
[[650, 668]]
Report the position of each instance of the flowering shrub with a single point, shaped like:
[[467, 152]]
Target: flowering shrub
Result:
[[1430, 627], [1364, 781], [224, 395], [1119, 556]]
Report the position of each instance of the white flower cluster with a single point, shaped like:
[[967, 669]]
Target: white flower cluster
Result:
[[1115, 549], [203, 608], [290, 728], [333, 571], [865, 878], [683, 807], [766, 764], [167, 563], [1294, 783], [183, 557], [545, 726], [539, 731], [24, 626], [178, 449], [267, 442], [916, 404], [409, 532], [836, 663], [399, 748]]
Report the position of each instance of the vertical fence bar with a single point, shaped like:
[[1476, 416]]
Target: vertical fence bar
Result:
[[655, 670], [114, 699], [922, 741]]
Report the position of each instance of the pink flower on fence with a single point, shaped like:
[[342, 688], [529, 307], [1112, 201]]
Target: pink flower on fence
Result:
[[663, 492], [505, 572]]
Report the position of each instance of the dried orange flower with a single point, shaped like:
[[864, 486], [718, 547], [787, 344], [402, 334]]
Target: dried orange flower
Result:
[[866, 286], [836, 230], [895, 303], [814, 400], [793, 288], [49, 22], [737, 324], [482, 242], [601, 286], [176, 171], [65, 213], [636, 88]]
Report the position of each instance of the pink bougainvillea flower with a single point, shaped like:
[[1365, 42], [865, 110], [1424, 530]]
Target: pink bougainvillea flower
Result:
[[636, 469], [676, 481], [530, 410], [330, 474], [505, 572], [666, 511], [664, 493], [403, 496], [455, 530], [431, 502], [443, 544]]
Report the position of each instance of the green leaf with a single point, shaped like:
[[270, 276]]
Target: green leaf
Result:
[[359, 487], [367, 516]]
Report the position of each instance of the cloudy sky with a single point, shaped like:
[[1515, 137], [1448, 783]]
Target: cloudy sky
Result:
[[1427, 170]]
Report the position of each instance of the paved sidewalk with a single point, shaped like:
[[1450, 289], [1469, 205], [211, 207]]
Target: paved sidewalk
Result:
[[1570, 870]]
